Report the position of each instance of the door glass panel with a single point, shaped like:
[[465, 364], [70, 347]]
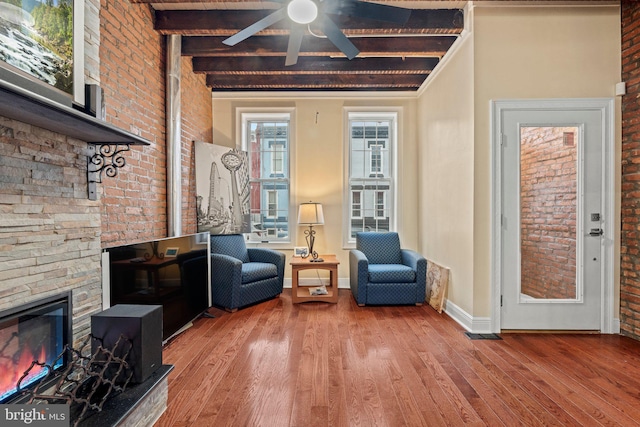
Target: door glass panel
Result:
[[548, 206]]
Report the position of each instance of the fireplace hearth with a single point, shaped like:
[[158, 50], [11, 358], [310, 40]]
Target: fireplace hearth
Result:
[[97, 381]]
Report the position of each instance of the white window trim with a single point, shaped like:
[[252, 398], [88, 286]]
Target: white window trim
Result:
[[395, 138], [244, 114]]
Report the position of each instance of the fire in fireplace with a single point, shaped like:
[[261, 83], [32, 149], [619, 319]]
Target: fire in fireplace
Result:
[[36, 331]]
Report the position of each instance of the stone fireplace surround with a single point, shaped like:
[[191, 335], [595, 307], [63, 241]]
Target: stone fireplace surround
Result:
[[49, 230], [50, 233]]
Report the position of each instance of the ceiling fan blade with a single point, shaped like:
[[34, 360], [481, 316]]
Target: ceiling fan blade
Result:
[[295, 40], [361, 9], [256, 27], [338, 38]]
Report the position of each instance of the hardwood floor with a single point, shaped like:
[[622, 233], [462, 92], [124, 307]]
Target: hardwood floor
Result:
[[319, 364]]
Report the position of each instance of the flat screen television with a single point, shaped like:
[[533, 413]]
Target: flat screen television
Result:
[[173, 272], [42, 48]]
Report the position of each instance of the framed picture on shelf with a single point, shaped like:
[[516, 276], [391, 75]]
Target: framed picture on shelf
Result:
[[301, 251], [171, 252]]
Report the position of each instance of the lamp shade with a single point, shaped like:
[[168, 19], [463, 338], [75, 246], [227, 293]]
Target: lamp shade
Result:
[[310, 214]]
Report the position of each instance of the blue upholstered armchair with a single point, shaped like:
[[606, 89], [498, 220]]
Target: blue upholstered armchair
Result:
[[242, 276], [383, 273]]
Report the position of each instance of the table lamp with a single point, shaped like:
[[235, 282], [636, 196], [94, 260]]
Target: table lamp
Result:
[[311, 214]]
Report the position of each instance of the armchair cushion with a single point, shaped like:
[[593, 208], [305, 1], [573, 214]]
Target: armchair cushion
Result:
[[254, 271], [380, 248], [391, 273]]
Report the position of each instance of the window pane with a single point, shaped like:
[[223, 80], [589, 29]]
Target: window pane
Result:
[[380, 210], [269, 184], [548, 212], [370, 175], [356, 204], [376, 158], [272, 203]]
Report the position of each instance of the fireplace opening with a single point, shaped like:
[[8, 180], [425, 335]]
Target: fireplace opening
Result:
[[36, 331]]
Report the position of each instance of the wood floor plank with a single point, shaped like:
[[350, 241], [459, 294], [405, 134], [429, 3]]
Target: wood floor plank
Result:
[[206, 375], [337, 410], [485, 401], [304, 399], [268, 402], [250, 384], [596, 380], [517, 373], [366, 364], [601, 410], [436, 345], [319, 364], [486, 370], [577, 407], [412, 368]]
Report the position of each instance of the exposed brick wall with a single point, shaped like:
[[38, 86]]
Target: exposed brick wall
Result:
[[548, 206], [49, 230], [630, 204], [197, 125], [132, 74], [132, 63]]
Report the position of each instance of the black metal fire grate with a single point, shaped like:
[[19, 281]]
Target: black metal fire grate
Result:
[[87, 381]]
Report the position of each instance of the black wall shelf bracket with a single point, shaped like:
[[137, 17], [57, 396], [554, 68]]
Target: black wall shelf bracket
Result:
[[103, 158]]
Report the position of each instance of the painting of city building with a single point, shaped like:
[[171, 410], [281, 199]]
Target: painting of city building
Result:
[[222, 189]]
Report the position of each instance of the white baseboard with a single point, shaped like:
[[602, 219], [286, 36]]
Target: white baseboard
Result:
[[478, 325], [482, 325]]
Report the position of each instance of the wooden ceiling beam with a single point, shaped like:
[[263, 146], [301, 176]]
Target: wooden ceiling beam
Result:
[[434, 47], [275, 65], [228, 22], [302, 82]]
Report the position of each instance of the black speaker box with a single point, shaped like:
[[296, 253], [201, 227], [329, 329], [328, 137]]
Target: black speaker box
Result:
[[142, 326]]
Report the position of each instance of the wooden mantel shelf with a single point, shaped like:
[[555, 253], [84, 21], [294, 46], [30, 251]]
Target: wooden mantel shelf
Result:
[[24, 106]]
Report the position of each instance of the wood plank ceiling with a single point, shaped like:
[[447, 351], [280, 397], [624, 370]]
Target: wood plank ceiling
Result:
[[392, 57]]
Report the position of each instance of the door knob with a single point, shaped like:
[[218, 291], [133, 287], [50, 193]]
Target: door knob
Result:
[[596, 232]]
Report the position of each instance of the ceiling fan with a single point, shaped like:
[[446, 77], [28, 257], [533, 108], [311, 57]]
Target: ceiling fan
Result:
[[304, 12]]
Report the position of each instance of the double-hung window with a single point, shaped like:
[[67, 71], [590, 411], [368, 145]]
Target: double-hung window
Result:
[[371, 173], [266, 138]]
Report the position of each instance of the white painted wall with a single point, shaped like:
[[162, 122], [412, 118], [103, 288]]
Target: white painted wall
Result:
[[510, 52]]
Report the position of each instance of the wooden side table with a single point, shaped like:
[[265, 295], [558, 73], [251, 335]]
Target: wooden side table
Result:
[[301, 294]]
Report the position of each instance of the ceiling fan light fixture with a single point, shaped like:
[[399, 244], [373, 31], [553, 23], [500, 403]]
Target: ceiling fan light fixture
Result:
[[302, 11]]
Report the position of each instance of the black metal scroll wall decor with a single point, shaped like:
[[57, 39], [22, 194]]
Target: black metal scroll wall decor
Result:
[[107, 159]]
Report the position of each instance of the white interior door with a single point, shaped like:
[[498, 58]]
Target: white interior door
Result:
[[552, 219]]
